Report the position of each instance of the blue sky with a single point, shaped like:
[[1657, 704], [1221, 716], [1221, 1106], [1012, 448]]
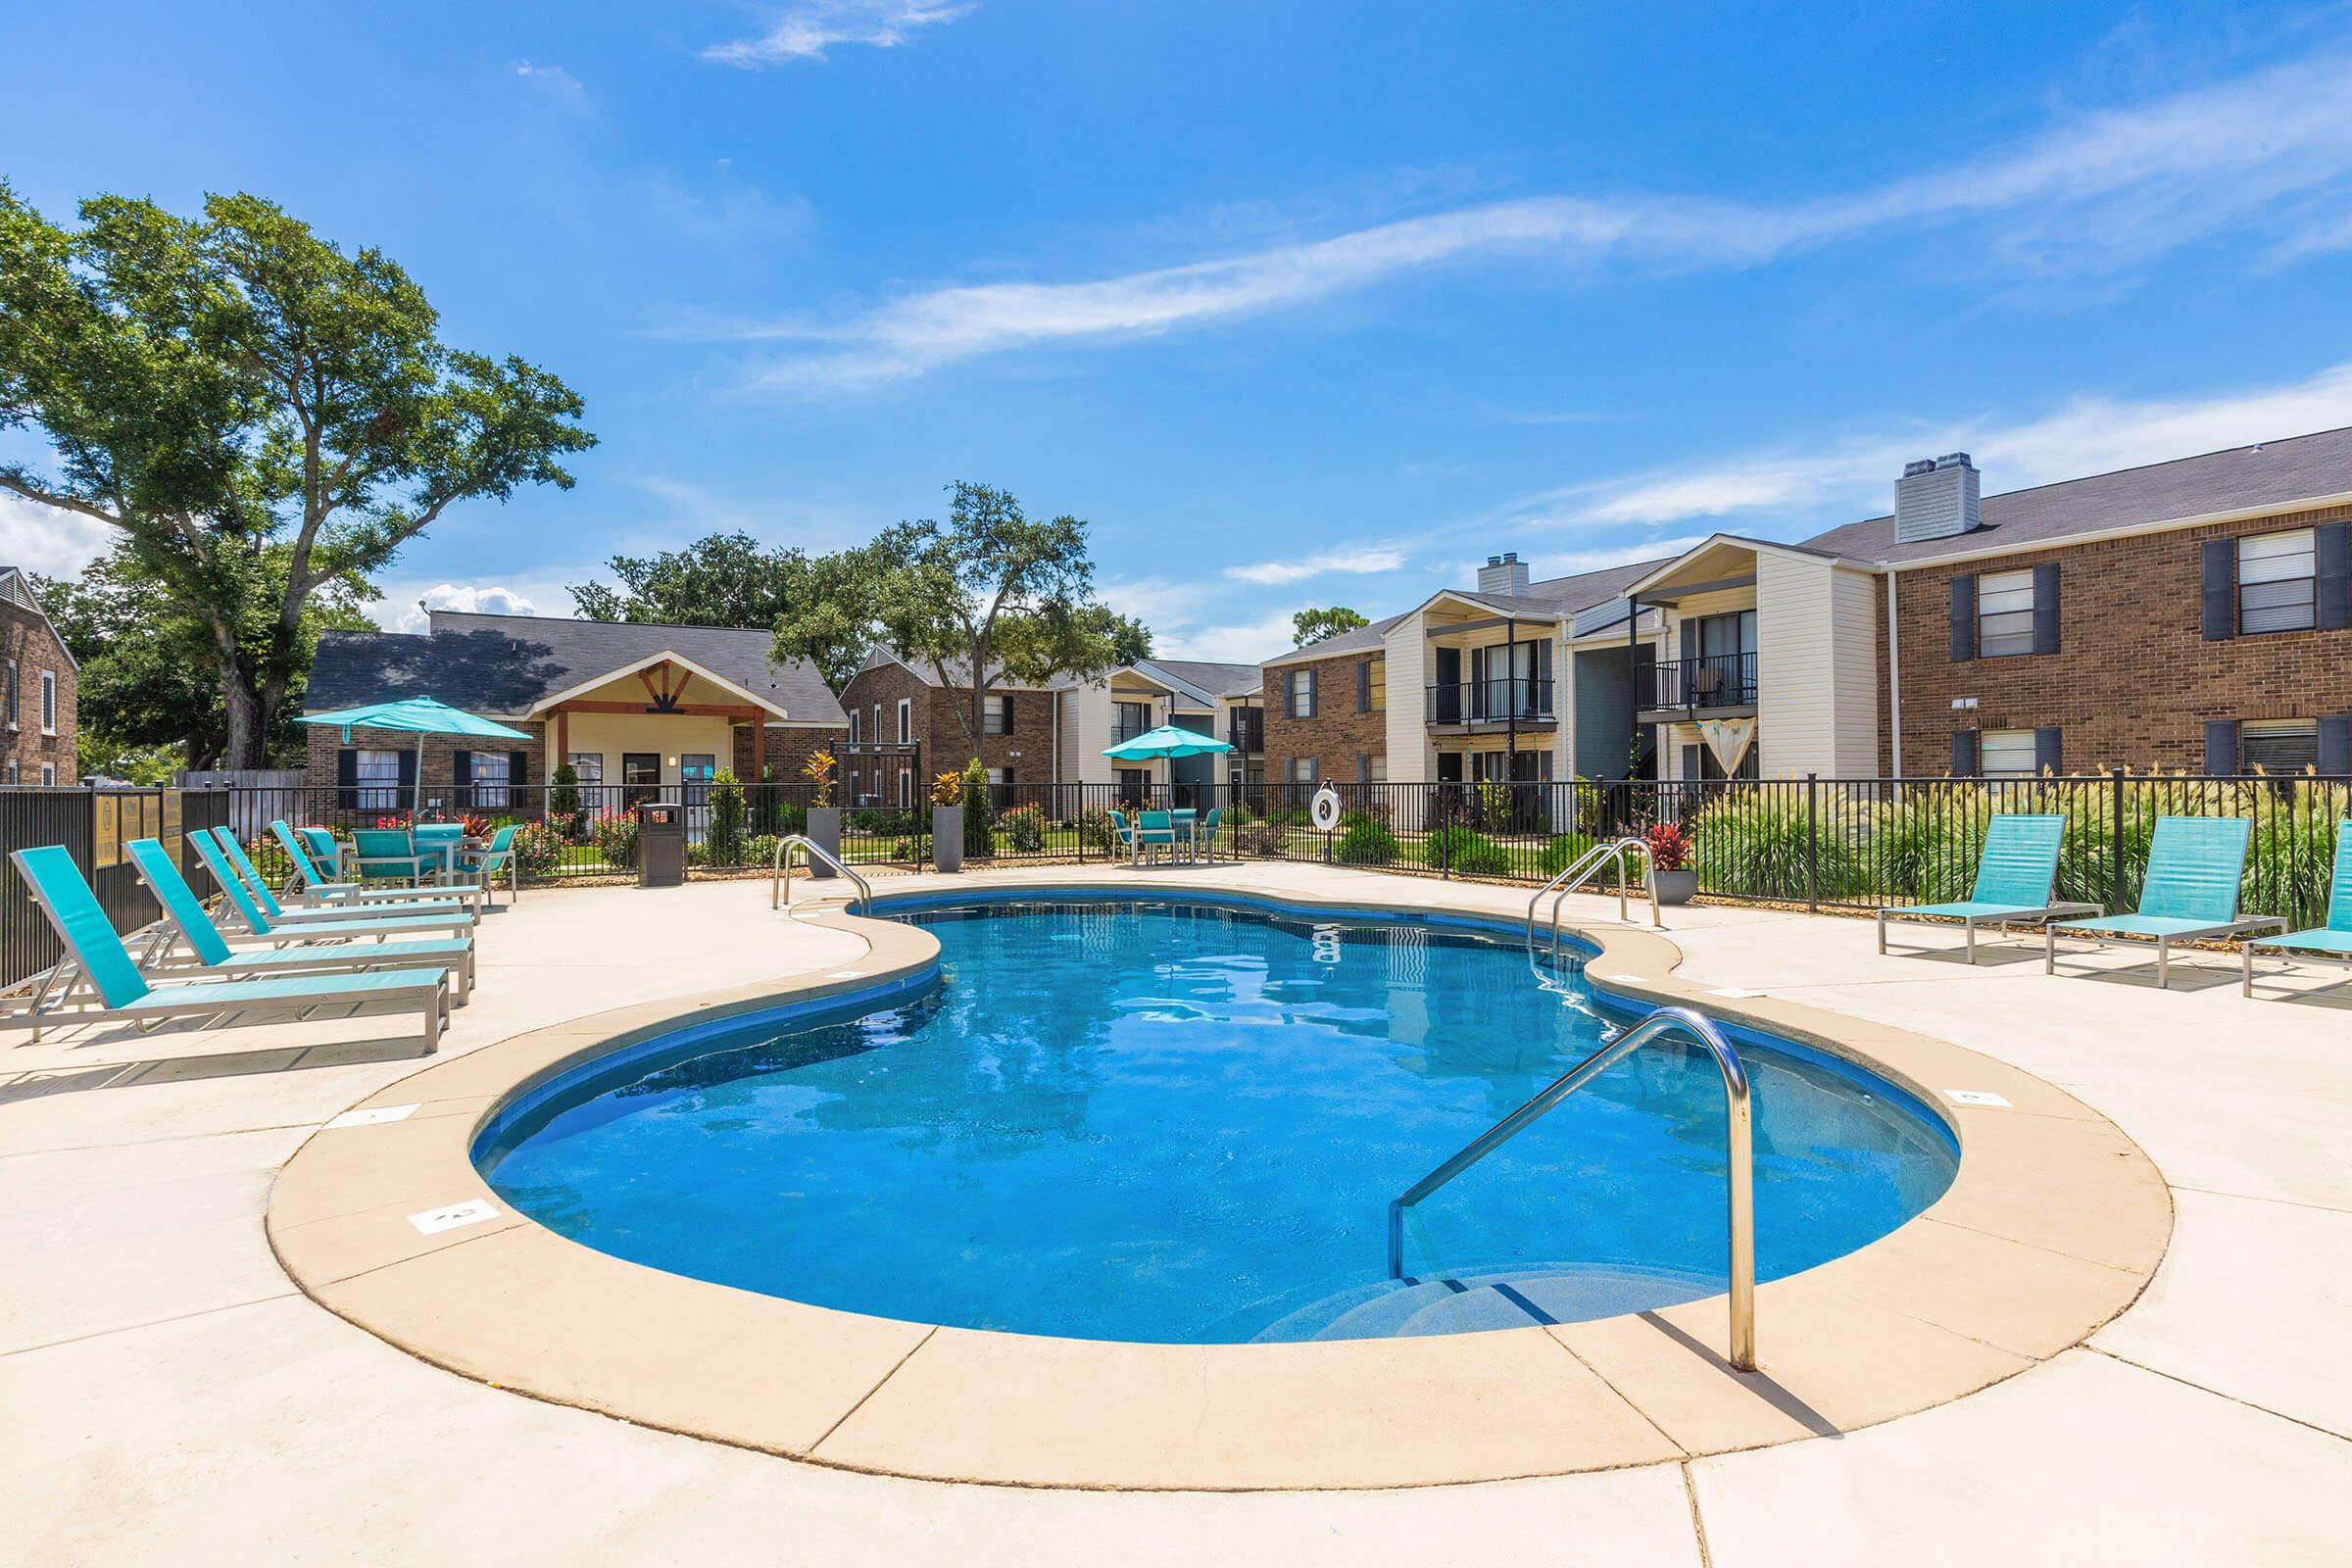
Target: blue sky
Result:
[[1296, 303]]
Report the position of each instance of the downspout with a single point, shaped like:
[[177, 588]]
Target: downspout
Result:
[[1894, 678], [1632, 695]]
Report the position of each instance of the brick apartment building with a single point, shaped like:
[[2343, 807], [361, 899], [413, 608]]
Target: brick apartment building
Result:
[[2192, 615], [905, 725], [39, 725]]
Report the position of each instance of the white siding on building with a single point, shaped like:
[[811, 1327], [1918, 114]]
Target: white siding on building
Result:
[[1816, 668], [1086, 731], [1411, 757]]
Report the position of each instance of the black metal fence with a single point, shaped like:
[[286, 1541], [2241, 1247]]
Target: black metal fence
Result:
[[1823, 843], [94, 826]]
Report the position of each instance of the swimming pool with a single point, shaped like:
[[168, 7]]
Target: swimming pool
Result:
[[1182, 1120]]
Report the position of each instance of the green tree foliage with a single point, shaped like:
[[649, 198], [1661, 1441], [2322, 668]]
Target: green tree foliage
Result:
[[985, 597], [1321, 626], [725, 834], [732, 579], [979, 840], [264, 418], [150, 703], [1130, 639]]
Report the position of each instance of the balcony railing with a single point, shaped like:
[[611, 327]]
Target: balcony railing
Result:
[[1247, 733], [1499, 700], [1717, 680], [1122, 733]]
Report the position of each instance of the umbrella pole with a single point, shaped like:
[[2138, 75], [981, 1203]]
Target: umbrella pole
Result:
[[416, 794]]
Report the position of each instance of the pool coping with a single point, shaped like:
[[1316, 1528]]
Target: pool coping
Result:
[[2053, 1225]]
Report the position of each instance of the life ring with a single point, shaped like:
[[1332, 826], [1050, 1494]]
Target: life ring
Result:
[[1325, 809]]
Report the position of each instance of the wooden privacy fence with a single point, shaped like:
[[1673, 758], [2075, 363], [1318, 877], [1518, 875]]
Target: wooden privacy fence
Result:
[[94, 826]]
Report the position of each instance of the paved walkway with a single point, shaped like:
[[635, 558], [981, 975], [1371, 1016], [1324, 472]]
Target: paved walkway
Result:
[[166, 1395]]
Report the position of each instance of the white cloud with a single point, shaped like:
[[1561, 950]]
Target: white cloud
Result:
[[1854, 476], [406, 613], [1241, 643], [47, 541], [2096, 192], [1358, 561], [805, 32], [555, 76]]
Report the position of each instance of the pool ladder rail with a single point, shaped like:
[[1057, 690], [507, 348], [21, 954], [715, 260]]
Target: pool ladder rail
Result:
[[779, 887], [1585, 866], [1738, 1177]]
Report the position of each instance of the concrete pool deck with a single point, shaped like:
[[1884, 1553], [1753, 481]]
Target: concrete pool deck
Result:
[[169, 1396]]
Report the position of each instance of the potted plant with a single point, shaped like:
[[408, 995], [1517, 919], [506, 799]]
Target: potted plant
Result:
[[824, 818], [947, 822], [1669, 861]]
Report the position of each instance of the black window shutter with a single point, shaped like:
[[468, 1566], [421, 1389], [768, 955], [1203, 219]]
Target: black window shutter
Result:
[[2334, 553], [347, 778], [2047, 756], [1363, 767], [1315, 693], [1363, 687], [2045, 607], [2221, 745], [2335, 751], [1689, 635], [1964, 753], [517, 764], [460, 773], [1690, 765], [2221, 602], [1964, 617], [408, 775]]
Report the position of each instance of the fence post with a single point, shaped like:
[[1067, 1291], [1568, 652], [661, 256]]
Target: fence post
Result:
[[2114, 840], [1812, 846]]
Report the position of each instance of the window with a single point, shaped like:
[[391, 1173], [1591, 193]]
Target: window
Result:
[[1378, 682], [999, 719], [853, 726], [1129, 720], [1303, 769], [12, 770], [2278, 745], [587, 767], [48, 772], [1379, 771], [2006, 753], [2278, 582], [696, 770], [905, 780], [1303, 694], [906, 721], [377, 775], [490, 779], [640, 776], [11, 694], [875, 733], [2004, 614], [48, 702]]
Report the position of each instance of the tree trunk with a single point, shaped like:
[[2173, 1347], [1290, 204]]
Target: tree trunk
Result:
[[245, 723]]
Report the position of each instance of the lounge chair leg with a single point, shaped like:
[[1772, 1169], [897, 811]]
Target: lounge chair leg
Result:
[[1971, 940], [1882, 933], [2163, 964], [2049, 949], [2245, 985]]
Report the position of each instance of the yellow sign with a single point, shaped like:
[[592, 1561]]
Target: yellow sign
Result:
[[174, 833], [106, 831]]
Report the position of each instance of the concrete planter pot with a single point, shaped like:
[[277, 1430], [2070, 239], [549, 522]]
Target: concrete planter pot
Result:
[[1675, 887], [947, 838], [824, 831]]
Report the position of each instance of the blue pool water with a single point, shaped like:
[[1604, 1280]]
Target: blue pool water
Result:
[[1154, 1120]]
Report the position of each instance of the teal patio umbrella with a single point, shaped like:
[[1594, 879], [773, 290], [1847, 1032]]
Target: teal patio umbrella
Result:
[[422, 716], [1170, 740]]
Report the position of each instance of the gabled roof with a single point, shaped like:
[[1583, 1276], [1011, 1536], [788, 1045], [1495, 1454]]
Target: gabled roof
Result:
[[2271, 475], [1732, 544], [1548, 600], [1362, 640], [14, 589], [511, 664], [1203, 678]]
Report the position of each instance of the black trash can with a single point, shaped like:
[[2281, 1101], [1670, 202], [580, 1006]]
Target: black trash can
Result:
[[660, 844]]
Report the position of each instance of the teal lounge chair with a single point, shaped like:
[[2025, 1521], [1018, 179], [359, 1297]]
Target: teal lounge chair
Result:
[[183, 912], [389, 853], [265, 918], [442, 840], [97, 959], [319, 889], [2016, 871], [2189, 894], [420, 900], [2332, 941], [324, 850]]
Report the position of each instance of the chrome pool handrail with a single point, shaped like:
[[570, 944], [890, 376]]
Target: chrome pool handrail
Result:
[[1586, 863], [1738, 1180], [779, 889]]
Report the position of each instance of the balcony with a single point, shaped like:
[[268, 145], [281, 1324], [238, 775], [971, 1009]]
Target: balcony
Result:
[[1504, 701], [1123, 732], [1696, 685], [1246, 731]]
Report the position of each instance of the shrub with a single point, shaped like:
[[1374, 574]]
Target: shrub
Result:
[[948, 790], [724, 839], [1563, 852], [537, 849], [1465, 852], [1024, 830], [564, 791], [1267, 838], [791, 817], [761, 849], [1094, 830], [1755, 846], [766, 801], [1669, 849], [615, 834], [1366, 842], [979, 841], [819, 770]]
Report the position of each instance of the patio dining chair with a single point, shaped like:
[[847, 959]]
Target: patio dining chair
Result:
[[320, 890], [1153, 829], [389, 853], [478, 870]]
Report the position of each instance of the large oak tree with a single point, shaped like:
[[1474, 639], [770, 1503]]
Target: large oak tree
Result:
[[262, 418]]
